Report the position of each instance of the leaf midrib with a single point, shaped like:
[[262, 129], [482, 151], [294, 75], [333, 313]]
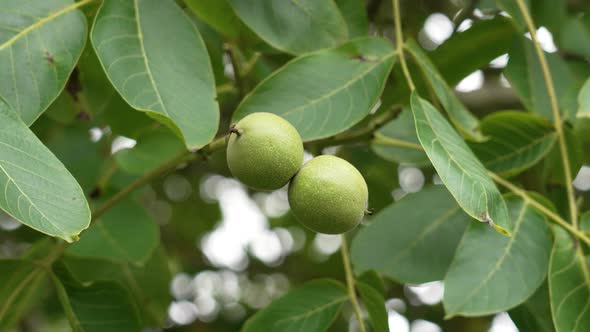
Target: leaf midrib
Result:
[[43, 21]]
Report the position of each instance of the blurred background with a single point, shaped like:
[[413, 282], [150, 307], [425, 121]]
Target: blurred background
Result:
[[230, 250]]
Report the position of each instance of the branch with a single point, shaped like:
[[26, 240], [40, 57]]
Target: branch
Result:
[[350, 284], [555, 110], [148, 177]]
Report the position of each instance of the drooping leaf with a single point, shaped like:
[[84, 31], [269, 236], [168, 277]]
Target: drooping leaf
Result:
[[463, 120], [325, 92], [152, 148], [37, 189], [516, 141], [491, 272], [161, 69], [459, 169], [375, 305], [126, 233], [584, 101], [569, 284], [534, 315], [470, 50], [148, 284], [409, 244], [526, 77], [101, 306], [400, 129], [355, 16], [40, 43], [293, 26], [311, 308]]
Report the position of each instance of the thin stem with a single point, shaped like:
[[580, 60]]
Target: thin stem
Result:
[[399, 41], [555, 110], [529, 200], [381, 139], [350, 284], [163, 168]]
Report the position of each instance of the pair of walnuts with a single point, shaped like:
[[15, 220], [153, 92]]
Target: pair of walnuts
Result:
[[327, 194]]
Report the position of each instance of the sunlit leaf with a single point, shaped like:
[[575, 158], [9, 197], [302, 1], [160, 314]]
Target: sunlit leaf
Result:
[[459, 169], [175, 87], [293, 26], [325, 92], [40, 43], [37, 189]]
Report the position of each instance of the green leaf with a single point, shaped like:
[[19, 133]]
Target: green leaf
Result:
[[37, 189], [490, 272], [511, 7], [355, 15], [152, 148], [569, 284], [534, 315], [126, 233], [473, 49], [101, 306], [575, 35], [325, 92], [311, 308], [218, 14], [516, 141], [297, 26], [526, 77], [176, 88], [401, 129], [463, 120], [584, 101], [409, 244], [375, 305], [40, 43], [19, 282], [149, 284], [459, 169]]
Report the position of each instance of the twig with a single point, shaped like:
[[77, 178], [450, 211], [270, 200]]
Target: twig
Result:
[[529, 200], [350, 284], [399, 41], [555, 110]]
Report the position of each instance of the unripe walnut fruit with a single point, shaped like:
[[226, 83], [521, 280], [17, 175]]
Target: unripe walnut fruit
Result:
[[328, 195], [264, 151]]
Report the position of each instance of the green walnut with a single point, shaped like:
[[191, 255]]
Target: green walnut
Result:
[[328, 195], [264, 151]]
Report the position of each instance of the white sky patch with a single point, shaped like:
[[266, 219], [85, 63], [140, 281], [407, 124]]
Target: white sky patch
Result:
[[582, 180], [122, 143], [429, 293], [545, 39], [411, 179], [438, 27], [503, 323], [500, 62], [465, 25], [182, 312], [327, 244], [472, 82], [397, 322]]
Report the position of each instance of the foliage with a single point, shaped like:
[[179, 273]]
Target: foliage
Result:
[[110, 227]]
